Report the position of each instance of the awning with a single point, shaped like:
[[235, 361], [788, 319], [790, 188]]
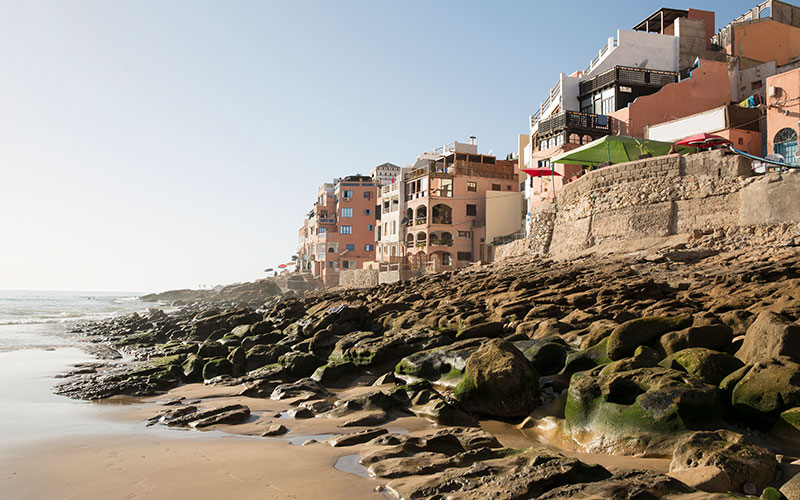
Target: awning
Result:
[[616, 149], [540, 172], [703, 140]]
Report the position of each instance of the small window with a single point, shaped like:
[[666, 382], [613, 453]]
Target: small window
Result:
[[333, 263], [508, 188], [367, 211], [496, 187], [472, 186], [347, 194], [347, 212], [368, 194], [370, 227], [369, 248], [350, 247], [465, 256], [465, 234], [323, 230], [472, 210], [346, 229], [331, 250]]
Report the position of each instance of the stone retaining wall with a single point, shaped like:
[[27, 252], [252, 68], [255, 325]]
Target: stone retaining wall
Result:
[[658, 197], [358, 278]]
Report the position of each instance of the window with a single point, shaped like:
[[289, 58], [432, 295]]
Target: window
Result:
[[323, 230], [347, 212], [349, 264], [465, 234], [369, 248], [786, 145], [367, 211], [368, 194], [496, 187], [347, 194], [350, 247], [331, 250], [346, 229], [370, 227], [334, 264], [508, 188], [472, 186], [465, 256], [472, 210]]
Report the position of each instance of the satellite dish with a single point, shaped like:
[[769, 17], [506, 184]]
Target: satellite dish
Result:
[[404, 222]]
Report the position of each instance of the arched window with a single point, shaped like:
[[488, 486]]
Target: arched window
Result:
[[574, 138], [442, 214], [410, 216], [586, 139], [786, 145]]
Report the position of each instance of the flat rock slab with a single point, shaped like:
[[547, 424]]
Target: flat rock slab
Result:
[[275, 430], [355, 438]]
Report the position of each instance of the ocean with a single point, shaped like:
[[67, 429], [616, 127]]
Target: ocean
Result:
[[35, 346], [42, 319]]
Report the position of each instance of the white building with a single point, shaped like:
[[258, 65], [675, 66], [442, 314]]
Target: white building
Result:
[[385, 173]]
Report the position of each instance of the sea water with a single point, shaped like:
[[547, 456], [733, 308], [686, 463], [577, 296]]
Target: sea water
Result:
[[36, 344]]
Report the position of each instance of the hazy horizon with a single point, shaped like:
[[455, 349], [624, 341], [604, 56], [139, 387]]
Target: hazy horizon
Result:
[[164, 145]]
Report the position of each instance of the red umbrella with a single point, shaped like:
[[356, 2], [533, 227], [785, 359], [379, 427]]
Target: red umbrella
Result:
[[703, 140], [540, 172], [281, 266]]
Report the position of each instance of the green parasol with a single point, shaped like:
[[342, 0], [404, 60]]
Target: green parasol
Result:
[[616, 149]]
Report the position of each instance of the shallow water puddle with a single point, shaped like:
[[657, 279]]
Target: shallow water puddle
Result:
[[351, 465]]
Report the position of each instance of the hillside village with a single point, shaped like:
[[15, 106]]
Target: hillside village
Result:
[[667, 78]]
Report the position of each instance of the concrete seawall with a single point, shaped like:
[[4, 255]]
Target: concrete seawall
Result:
[[712, 195]]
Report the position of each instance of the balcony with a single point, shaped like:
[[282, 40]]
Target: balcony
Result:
[[624, 75], [573, 120]]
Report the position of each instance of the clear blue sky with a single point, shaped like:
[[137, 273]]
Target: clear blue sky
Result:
[[147, 145]]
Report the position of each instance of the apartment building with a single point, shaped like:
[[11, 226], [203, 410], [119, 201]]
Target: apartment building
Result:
[[445, 212], [339, 232]]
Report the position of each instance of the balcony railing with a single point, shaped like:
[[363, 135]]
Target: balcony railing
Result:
[[574, 120], [441, 243], [421, 221], [554, 95], [625, 75], [442, 220], [612, 43]]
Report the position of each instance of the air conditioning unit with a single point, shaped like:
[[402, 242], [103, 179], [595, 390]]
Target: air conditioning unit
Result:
[[772, 91]]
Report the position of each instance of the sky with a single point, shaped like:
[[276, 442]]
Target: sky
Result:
[[152, 145]]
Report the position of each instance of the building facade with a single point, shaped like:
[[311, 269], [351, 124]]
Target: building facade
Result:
[[385, 174], [339, 232]]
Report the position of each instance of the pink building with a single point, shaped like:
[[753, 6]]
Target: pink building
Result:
[[339, 232], [446, 207]]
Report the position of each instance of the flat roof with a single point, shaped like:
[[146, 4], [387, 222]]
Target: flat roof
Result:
[[652, 23]]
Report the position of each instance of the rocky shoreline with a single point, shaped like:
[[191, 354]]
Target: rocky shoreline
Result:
[[690, 356]]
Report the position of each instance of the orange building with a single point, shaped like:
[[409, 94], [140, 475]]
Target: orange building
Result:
[[339, 232], [783, 114]]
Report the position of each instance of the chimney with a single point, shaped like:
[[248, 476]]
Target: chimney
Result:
[[472, 140]]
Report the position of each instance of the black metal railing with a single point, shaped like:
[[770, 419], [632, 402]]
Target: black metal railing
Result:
[[574, 120], [626, 75]]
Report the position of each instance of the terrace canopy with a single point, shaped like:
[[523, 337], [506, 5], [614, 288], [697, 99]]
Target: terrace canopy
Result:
[[616, 149]]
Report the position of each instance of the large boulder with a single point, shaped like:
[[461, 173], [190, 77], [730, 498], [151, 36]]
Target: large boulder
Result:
[[735, 454], [443, 365], [637, 411], [707, 365], [766, 390], [499, 381], [769, 336], [547, 355], [715, 336], [625, 338]]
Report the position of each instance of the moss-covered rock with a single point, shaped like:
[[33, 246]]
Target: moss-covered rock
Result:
[[547, 355], [212, 349], [499, 381], [335, 374], [641, 410], [767, 389], [625, 338], [215, 367], [490, 329], [709, 366], [443, 365], [260, 355], [587, 359], [300, 364], [193, 368]]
